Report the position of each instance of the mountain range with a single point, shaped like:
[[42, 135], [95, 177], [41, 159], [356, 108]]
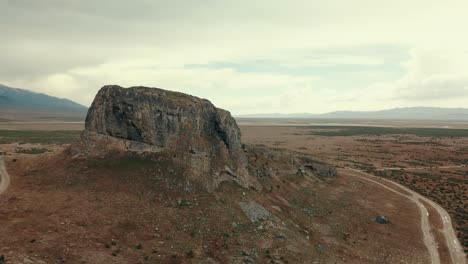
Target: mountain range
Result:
[[407, 113], [23, 105]]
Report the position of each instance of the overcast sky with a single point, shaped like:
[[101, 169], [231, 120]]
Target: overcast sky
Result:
[[245, 56]]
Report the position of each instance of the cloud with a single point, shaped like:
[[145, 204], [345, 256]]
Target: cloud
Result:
[[248, 56], [434, 75]]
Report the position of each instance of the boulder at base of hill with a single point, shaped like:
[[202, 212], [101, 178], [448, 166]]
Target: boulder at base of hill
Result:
[[382, 220]]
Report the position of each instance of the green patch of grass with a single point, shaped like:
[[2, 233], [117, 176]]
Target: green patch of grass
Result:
[[38, 136], [333, 131]]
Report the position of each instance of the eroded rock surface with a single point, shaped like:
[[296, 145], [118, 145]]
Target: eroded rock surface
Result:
[[203, 139], [266, 163]]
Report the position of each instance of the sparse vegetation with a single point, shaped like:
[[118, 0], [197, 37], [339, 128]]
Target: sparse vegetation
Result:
[[443, 187], [38, 136], [181, 203], [137, 205], [32, 151], [190, 254], [372, 148], [124, 163], [333, 131]]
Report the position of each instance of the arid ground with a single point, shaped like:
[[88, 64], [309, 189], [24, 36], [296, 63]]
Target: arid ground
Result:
[[432, 162], [60, 210]]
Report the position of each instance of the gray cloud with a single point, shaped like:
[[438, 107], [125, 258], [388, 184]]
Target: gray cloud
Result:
[[70, 48]]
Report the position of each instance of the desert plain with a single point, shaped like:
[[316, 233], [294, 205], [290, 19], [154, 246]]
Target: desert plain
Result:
[[106, 212]]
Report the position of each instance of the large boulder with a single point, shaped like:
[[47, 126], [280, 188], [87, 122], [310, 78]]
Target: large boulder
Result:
[[199, 137]]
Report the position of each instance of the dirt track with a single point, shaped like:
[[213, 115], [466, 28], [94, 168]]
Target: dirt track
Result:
[[455, 249], [422, 168], [4, 177]]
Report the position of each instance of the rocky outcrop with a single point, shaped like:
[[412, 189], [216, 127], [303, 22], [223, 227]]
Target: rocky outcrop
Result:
[[202, 142], [382, 220], [267, 163], [201, 138]]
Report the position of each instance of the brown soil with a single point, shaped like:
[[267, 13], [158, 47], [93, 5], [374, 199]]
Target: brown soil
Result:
[[131, 210], [76, 126], [447, 187]]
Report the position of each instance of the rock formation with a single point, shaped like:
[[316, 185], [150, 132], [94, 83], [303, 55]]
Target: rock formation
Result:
[[201, 138], [202, 141]]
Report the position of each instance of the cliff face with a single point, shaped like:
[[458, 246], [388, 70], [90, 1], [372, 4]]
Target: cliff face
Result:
[[186, 134], [161, 118], [203, 139]]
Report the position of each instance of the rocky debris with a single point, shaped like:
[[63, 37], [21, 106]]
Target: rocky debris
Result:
[[320, 168], [281, 236], [208, 261], [199, 137], [382, 220], [255, 212], [265, 163]]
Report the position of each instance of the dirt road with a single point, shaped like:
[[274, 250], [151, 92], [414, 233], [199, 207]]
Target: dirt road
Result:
[[4, 177], [423, 168], [457, 254]]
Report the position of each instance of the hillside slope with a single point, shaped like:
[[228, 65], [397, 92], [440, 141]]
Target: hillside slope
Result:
[[23, 105]]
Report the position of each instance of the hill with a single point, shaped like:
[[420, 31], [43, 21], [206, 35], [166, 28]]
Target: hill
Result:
[[23, 105], [164, 177], [406, 113]]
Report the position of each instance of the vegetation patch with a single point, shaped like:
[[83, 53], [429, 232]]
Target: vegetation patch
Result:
[[38, 136], [32, 151]]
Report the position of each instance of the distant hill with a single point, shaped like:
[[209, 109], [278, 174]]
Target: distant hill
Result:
[[408, 113], [23, 105]]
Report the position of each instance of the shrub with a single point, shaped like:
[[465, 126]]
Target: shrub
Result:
[[190, 254]]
